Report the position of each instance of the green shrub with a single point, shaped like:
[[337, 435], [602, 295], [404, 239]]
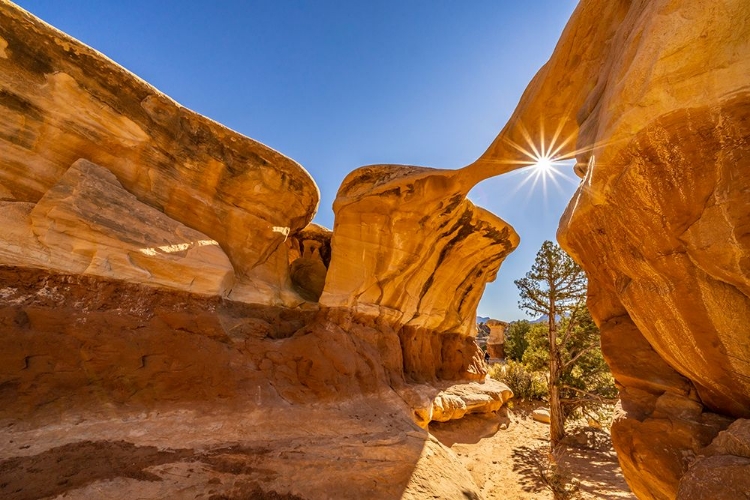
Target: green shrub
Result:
[[524, 384]]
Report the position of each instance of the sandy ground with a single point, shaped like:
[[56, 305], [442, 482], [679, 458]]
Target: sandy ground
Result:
[[503, 453], [365, 448]]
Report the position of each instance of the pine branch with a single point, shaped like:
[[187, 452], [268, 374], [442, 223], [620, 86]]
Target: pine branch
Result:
[[591, 395], [571, 323], [577, 356]]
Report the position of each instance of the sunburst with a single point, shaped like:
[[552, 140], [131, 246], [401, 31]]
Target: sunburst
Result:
[[543, 159]]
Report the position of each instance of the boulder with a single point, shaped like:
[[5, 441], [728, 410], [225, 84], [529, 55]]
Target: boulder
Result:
[[445, 402], [541, 415]]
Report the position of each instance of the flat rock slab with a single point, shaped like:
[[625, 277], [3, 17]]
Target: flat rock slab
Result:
[[88, 223]]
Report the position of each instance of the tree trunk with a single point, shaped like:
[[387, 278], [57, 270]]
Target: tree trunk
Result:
[[557, 420]]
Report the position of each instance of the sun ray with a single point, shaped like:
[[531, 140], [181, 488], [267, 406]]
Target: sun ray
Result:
[[527, 137], [545, 163], [521, 149], [541, 138], [564, 143], [556, 136]]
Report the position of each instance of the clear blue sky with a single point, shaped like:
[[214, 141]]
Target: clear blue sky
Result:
[[339, 84]]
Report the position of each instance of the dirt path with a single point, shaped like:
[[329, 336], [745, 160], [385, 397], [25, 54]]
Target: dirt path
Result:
[[505, 452]]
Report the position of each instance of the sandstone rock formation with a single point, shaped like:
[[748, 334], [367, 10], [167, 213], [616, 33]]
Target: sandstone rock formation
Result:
[[159, 281], [62, 101], [496, 340], [427, 289], [88, 224], [723, 469], [444, 402], [309, 258], [652, 98]]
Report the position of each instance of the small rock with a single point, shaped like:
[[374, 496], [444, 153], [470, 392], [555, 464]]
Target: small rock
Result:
[[541, 415]]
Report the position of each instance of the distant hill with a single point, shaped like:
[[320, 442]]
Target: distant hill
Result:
[[543, 319], [483, 319]]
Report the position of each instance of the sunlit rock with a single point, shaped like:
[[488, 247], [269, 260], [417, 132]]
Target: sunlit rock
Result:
[[410, 250], [652, 99], [158, 287], [496, 340], [88, 224], [433, 403], [62, 101]]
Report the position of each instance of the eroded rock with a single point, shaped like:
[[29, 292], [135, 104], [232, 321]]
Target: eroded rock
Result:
[[433, 403], [88, 224], [655, 95], [309, 258], [496, 340], [158, 275], [62, 101], [427, 288]]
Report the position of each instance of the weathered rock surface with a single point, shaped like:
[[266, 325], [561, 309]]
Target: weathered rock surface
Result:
[[62, 101], [655, 96], [426, 288], [158, 280], [309, 258], [441, 403], [186, 394], [88, 224], [723, 470], [496, 340], [363, 449]]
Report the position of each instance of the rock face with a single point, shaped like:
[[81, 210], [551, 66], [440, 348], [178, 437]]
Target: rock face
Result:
[[62, 101], [724, 469], [656, 98], [181, 392], [309, 258], [427, 288], [159, 287], [496, 340], [88, 224]]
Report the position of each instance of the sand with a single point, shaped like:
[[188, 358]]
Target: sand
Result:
[[504, 453]]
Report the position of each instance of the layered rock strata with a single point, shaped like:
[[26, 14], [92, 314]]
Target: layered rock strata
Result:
[[62, 101], [88, 224], [181, 393], [427, 288], [158, 301], [653, 99]]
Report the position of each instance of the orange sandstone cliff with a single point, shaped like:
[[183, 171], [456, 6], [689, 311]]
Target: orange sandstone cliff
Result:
[[653, 98]]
